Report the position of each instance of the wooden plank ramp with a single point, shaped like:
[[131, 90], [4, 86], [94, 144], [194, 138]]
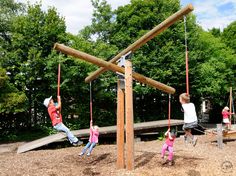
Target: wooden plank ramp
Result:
[[138, 127]]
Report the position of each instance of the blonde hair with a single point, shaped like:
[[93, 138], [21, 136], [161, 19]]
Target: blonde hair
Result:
[[185, 97], [96, 127], [226, 108]]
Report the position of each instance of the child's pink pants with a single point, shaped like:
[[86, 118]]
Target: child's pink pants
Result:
[[170, 149]]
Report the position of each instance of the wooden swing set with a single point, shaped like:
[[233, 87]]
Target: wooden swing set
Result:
[[125, 98]]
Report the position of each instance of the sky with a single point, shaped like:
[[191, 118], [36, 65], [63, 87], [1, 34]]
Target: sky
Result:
[[78, 13]]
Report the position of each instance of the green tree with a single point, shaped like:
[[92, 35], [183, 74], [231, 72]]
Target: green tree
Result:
[[8, 10], [215, 32], [33, 34], [12, 102], [229, 36], [163, 58]]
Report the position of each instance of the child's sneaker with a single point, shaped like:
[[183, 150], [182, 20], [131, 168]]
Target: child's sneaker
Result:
[[77, 143], [194, 141], [81, 154], [164, 162], [170, 163], [88, 154], [185, 139]]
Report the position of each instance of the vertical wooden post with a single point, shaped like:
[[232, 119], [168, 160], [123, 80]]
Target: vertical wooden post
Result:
[[219, 136], [120, 163], [129, 116], [230, 106]]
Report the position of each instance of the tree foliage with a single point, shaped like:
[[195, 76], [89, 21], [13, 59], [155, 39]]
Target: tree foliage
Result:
[[32, 35], [229, 36], [211, 63], [28, 71]]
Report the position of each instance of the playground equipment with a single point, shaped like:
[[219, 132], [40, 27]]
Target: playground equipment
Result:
[[127, 96], [144, 39], [129, 75]]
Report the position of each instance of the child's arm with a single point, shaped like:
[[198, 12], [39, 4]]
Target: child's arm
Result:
[[170, 137], [166, 133], [59, 103]]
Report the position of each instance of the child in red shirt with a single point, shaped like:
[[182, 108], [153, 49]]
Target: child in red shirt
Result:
[[56, 118], [168, 145]]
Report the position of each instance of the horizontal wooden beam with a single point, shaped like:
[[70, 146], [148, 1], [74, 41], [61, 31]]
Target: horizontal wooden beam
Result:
[[110, 66], [144, 39]]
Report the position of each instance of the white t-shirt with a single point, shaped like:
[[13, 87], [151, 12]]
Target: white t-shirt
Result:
[[190, 114]]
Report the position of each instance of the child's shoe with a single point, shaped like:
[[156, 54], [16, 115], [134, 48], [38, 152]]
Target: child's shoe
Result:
[[185, 139], [170, 163], [164, 162], [194, 141], [80, 142], [81, 154], [88, 154], [77, 143]]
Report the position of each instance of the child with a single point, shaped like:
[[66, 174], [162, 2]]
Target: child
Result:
[[226, 114], [93, 139], [168, 145], [190, 117], [56, 118]]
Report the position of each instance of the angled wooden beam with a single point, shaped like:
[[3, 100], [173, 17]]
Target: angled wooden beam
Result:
[[144, 39], [110, 66]]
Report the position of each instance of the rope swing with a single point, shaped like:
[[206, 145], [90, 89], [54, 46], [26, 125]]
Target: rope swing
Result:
[[169, 111], [58, 82], [186, 55], [91, 101], [186, 63], [58, 79]]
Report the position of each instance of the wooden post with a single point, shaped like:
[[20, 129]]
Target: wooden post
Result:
[[145, 38], [120, 163], [92, 59], [129, 116], [219, 136]]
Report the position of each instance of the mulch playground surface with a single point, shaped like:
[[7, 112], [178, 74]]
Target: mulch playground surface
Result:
[[205, 159]]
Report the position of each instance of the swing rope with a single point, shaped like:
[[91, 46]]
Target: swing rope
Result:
[[187, 77], [186, 55], [169, 111], [59, 81], [91, 101]]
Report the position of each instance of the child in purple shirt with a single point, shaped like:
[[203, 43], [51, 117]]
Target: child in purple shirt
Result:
[[93, 139], [168, 145]]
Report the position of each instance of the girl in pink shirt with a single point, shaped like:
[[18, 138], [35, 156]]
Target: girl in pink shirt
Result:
[[93, 139], [225, 115], [168, 145]]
